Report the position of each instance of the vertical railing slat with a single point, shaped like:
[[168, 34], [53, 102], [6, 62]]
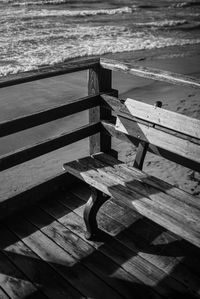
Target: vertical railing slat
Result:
[[100, 80]]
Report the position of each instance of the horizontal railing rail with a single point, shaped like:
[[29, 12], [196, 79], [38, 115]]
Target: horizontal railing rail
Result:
[[100, 94], [108, 127], [49, 145], [41, 117], [119, 108], [48, 72], [150, 73]]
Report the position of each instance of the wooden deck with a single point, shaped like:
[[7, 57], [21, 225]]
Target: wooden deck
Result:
[[44, 254]]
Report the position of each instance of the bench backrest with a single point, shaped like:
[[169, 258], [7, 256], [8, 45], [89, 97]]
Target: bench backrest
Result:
[[169, 134]]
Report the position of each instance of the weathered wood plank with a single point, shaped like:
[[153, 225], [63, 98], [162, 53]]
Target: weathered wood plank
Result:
[[150, 73], [60, 260], [3, 295], [169, 119], [159, 138], [82, 251], [41, 117], [159, 184], [51, 71], [37, 271], [51, 144], [96, 283], [64, 214], [109, 128], [15, 283], [179, 209], [143, 205], [129, 179], [147, 239], [129, 259], [100, 80], [118, 108]]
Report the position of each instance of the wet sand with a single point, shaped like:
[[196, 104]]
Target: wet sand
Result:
[[34, 96]]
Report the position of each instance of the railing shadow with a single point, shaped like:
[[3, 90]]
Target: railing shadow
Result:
[[70, 231]]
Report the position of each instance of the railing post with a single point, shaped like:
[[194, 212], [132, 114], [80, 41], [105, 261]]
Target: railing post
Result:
[[100, 80]]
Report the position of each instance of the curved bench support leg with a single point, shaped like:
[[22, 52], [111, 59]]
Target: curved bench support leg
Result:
[[96, 200]]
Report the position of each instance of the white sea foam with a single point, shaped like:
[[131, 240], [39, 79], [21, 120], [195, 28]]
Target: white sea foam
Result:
[[164, 23], [40, 2], [186, 4], [39, 35], [31, 52], [23, 12]]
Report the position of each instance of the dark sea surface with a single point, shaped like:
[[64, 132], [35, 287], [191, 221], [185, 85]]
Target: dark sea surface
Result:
[[35, 33]]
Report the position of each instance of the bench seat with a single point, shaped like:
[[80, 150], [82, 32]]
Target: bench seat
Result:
[[165, 204]]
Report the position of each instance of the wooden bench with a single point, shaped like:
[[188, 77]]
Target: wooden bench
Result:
[[169, 134]]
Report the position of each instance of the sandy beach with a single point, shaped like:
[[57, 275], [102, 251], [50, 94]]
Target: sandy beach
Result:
[[34, 96]]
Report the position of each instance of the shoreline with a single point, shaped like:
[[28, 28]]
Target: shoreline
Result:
[[126, 56], [47, 92]]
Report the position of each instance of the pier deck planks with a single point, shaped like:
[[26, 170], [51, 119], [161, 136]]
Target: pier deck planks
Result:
[[44, 254]]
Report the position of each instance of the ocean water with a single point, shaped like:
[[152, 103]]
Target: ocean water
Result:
[[35, 33]]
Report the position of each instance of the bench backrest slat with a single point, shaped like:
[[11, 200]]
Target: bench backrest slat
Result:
[[168, 119], [164, 140]]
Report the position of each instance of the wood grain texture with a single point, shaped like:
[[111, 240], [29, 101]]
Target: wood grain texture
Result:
[[150, 73], [3, 295], [120, 247], [159, 138], [15, 283], [99, 81], [41, 117], [159, 184], [35, 269], [47, 72], [118, 108], [80, 250], [117, 265], [146, 239], [125, 175], [119, 189], [75, 274], [109, 128], [162, 117], [51, 144]]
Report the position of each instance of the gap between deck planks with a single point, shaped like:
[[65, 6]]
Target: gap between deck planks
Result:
[[70, 232], [183, 273], [66, 201], [115, 186], [128, 284], [14, 283], [61, 261], [35, 270], [145, 230]]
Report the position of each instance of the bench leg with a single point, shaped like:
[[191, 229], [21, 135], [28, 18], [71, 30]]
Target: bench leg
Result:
[[96, 200]]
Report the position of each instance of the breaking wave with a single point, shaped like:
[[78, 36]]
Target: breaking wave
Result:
[[39, 2], [187, 4], [165, 23], [79, 42], [68, 13]]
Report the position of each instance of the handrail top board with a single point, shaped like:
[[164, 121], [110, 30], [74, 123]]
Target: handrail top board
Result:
[[90, 62], [165, 118], [150, 73], [49, 71]]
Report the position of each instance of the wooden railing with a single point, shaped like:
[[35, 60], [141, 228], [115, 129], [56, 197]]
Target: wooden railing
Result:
[[101, 101]]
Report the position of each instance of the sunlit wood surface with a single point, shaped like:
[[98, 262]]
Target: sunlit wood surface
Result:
[[44, 254]]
